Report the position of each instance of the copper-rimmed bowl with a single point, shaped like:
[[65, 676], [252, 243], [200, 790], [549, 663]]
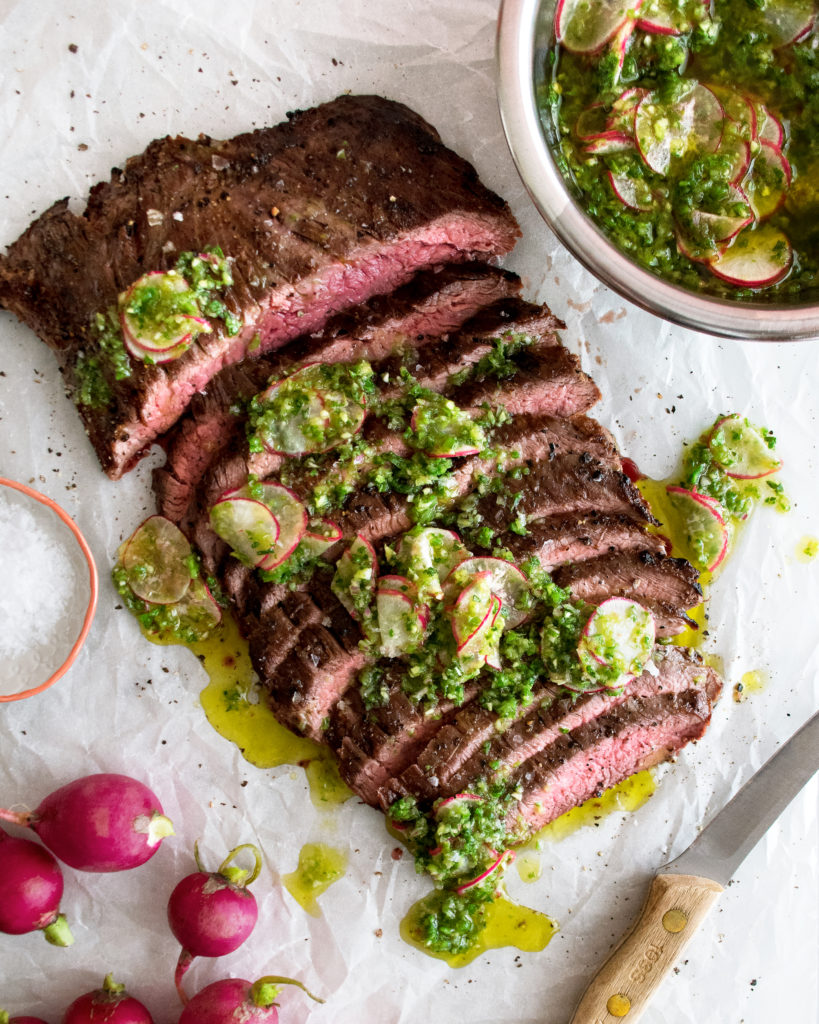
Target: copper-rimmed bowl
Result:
[[525, 33], [38, 661]]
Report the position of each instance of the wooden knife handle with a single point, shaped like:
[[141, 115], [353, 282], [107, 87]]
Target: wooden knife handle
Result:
[[623, 987]]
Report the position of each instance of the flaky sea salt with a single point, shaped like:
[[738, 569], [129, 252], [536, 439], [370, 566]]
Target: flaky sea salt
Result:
[[42, 592]]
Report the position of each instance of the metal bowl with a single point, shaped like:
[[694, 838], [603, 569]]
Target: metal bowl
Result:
[[525, 33]]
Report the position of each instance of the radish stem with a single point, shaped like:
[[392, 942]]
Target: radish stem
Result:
[[182, 965], [264, 991], [58, 933]]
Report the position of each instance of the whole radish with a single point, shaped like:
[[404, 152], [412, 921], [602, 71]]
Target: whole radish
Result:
[[110, 1004], [212, 913], [236, 1001], [103, 822], [6, 1019], [31, 887]]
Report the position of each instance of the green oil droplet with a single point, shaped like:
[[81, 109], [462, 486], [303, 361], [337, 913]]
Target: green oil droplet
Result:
[[319, 866], [807, 549]]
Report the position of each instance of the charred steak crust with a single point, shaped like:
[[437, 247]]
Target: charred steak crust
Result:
[[341, 202]]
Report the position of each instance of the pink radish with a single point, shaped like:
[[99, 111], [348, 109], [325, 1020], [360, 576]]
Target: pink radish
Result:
[[212, 913], [31, 887], [236, 1001], [454, 803], [500, 860], [5, 1019], [759, 257], [110, 1004], [103, 822]]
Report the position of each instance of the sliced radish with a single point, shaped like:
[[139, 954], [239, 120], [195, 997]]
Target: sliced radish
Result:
[[738, 108], [768, 181], [620, 634], [455, 804], [444, 431], [740, 448], [703, 526], [660, 17], [320, 536], [400, 625], [623, 109], [290, 514], [725, 225], [759, 257], [356, 572], [198, 612], [156, 559], [471, 611], [635, 193], [787, 21], [696, 250], [159, 313], [584, 26], [619, 44], [429, 555], [609, 142], [591, 122], [248, 526], [394, 581], [769, 127], [491, 650], [304, 413], [668, 132], [738, 151], [508, 582], [500, 860]]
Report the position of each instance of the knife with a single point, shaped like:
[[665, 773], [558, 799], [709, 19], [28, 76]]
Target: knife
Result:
[[683, 892]]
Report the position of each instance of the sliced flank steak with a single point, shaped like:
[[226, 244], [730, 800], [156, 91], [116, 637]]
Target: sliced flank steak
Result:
[[339, 203], [433, 304]]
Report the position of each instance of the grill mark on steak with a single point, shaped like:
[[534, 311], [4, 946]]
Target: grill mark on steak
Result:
[[432, 304], [668, 586], [311, 235], [588, 760]]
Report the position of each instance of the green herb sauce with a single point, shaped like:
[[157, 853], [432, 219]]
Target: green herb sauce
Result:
[[735, 53]]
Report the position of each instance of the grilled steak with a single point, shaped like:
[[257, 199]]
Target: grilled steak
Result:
[[342, 202], [433, 304]]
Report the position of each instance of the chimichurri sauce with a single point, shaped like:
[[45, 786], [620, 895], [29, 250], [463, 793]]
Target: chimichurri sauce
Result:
[[691, 137]]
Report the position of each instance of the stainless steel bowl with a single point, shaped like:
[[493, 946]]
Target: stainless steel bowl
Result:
[[524, 35]]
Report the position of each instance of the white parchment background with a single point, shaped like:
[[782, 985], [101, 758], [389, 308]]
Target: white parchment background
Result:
[[141, 70]]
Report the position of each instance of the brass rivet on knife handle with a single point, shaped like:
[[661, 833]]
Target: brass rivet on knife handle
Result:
[[622, 989]]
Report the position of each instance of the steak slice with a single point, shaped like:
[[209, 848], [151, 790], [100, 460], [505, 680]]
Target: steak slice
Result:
[[567, 485], [341, 202], [434, 303], [562, 540], [595, 755], [473, 748], [668, 586]]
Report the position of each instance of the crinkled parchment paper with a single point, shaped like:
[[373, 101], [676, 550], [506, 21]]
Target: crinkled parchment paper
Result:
[[84, 85]]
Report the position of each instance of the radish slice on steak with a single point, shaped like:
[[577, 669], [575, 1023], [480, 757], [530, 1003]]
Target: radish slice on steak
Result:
[[667, 132], [354, 581], [619, 635], [290, 514], [471, 613], [703, 526], [159, 315], [248, 526], [320, 536], [456, 805], [508, 582], [305, 413], [584, 26], [758, 257], [428, 556], [156, 559], [768, 181], [401, 623], [741, 449]]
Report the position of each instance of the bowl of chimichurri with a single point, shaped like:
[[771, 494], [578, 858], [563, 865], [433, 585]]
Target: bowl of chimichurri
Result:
[[673, 147]]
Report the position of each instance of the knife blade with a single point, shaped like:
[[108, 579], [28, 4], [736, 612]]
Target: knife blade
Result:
[[682, 892]]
